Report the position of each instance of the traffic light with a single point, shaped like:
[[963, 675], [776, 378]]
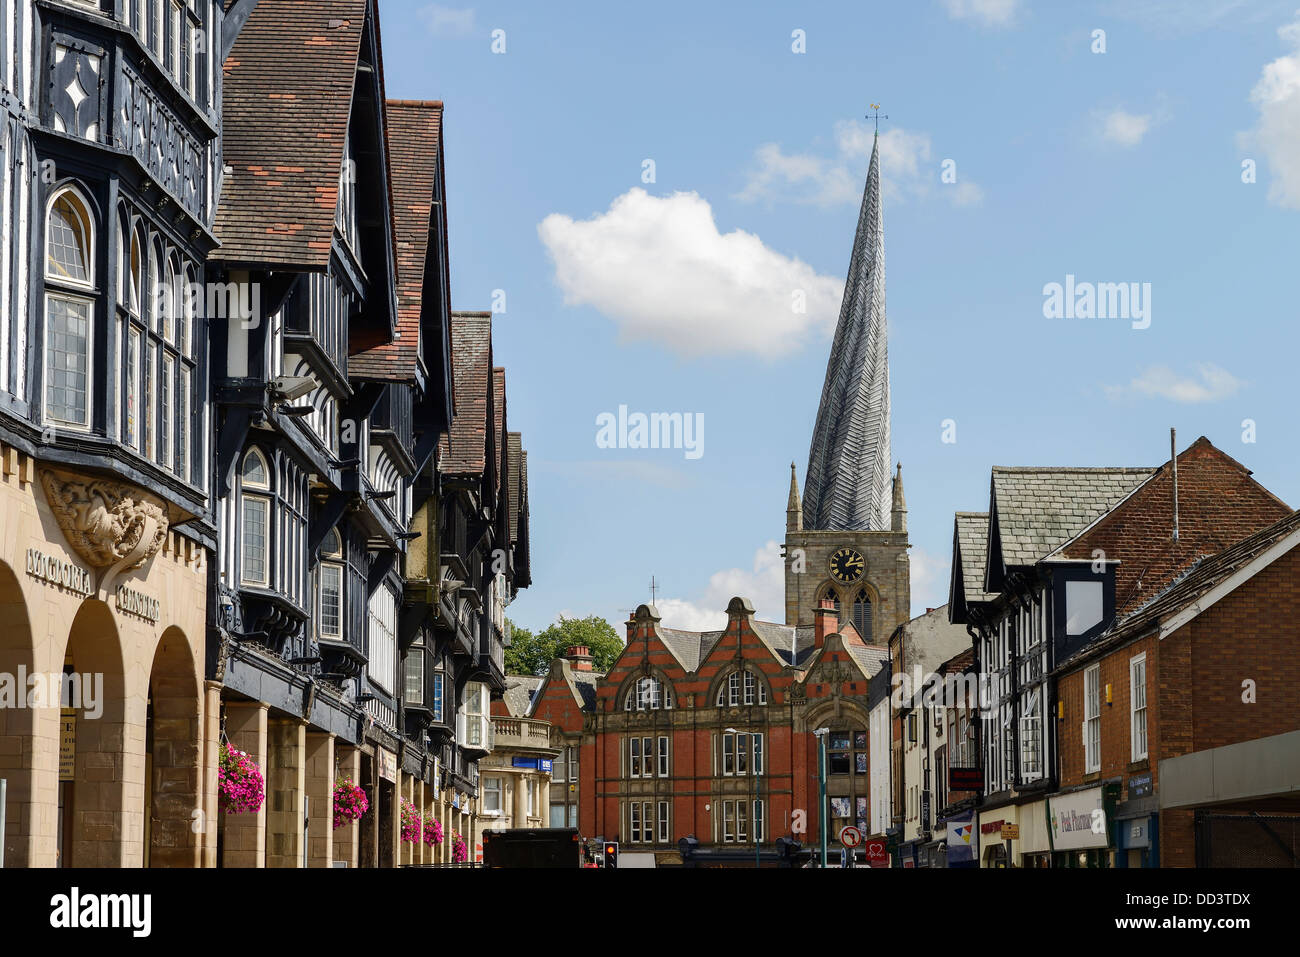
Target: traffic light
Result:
[[611, 854]]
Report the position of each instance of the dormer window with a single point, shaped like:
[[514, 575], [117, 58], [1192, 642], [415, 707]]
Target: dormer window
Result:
[[1083, 606]]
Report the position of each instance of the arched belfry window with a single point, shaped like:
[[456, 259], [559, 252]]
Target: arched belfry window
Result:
[[829, 593], [862, 614], [69, 309], [255, 519]]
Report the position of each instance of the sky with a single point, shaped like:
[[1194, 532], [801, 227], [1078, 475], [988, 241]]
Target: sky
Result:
[[659, 201]]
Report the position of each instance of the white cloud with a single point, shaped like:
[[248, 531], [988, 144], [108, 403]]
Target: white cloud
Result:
[[448, 20], [659, 268], [990, 13], [907, 169], [930, 574], [763, 585], [1277, 97], [1208, 385], [1123, 128]]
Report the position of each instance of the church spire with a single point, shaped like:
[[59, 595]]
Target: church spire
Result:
[[793, 510], [848, 482]]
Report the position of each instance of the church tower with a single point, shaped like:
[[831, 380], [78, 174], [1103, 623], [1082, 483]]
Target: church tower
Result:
[[847, 539]]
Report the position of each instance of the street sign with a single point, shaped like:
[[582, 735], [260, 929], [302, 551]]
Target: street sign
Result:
[[1010, 832], [850, 836]]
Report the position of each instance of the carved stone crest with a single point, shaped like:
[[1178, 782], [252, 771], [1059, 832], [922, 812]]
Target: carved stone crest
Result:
[[110, 524]]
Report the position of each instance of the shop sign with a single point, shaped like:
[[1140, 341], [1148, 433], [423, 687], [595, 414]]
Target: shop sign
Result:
[[56, 571], [965, 779], [877, 853], [1078, 820], [961, 839], [991, 827], [1010, 832], [387, 764], [529, 763], [132, 602], [1139, 786], [1138, 833], [67, 744]]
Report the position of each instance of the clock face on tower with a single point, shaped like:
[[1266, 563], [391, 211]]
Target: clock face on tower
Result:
[[847, 565]]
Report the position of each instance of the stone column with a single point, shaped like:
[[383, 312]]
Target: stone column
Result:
[[347, 839], [285, 788], [211, 744], [519, 815], [320, 791], [544, 799], [244, 844]]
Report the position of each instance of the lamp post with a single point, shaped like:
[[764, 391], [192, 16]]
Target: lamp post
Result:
[[753, 775], [820, 734]]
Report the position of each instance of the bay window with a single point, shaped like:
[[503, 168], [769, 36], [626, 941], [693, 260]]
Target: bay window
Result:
[[255, 519]]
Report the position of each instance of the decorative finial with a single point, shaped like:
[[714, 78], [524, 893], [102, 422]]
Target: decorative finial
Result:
[[876, 116]]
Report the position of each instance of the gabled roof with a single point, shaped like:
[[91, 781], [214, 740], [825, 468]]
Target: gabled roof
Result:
[[689, 647], [1189, 594], [870, 658], [463, 450], [413, 130], [286, 101], [1037, 509], [970, 554], [519, 693]]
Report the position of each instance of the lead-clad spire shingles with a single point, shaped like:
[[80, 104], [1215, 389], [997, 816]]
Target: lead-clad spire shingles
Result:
[[847, 485]]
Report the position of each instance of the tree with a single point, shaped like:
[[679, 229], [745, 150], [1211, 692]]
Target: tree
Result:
[[531, 654]]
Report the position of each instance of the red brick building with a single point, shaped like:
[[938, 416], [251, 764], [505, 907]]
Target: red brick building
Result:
[[709, 734], [1194, 700]]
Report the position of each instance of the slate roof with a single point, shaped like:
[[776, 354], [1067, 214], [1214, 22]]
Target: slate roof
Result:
[[1186, 589], [585, 682], [1040, 508], [413, 130], [499, 417], [692, 647], [518, 696], [286, 99], [777, 639], [870, 658], [462, 451], [689, 647], [972, 534]]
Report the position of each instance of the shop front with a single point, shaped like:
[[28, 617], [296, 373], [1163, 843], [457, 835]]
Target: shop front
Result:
[[1035, 845], [102, 625], [996, 850], [1080, 829]]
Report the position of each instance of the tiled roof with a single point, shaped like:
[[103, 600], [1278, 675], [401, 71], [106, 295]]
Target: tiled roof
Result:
[[585, 682], [499, 418], [778, 637], [286, 100], [1187, 589], [870, 658], [515, 455], [1040, 508], [462, 451], [413, 132], [519, 692], [972, 534], [689, 647]]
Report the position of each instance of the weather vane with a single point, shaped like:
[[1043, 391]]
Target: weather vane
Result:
[[653, 589], [877, 116]]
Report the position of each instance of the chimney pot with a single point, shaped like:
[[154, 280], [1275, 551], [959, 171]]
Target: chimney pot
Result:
[[826, 621], [580, 655]]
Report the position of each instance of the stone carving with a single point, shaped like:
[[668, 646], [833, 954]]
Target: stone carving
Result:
[[107, 523]]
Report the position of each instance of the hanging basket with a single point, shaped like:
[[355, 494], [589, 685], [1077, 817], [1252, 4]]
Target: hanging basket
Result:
[[239, 782], [412, 823], [350, 802], [432, 831], [459, 852]]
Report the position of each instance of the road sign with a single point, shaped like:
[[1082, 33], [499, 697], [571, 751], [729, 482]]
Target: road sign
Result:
[[1010, 832], [850, 836]]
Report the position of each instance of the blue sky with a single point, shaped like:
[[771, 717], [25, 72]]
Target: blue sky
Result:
[[674, 295]]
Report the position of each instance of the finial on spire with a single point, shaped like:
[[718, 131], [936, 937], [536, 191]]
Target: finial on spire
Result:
[[876, 116]]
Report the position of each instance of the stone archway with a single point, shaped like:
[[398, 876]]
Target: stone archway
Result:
[[173, 728], [102, 820], [30, 770]]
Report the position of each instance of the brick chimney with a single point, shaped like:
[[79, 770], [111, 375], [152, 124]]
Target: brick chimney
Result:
[[580, 655], [826, 621]]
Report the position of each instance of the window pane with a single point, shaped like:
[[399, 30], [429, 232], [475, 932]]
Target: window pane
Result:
[[254, 470], [132, 388], [165, 413], [255, 539], [65, 256], [331, 599], [67, 360], [437, 697], [1082, 606], [414, 686], [183, 424]]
